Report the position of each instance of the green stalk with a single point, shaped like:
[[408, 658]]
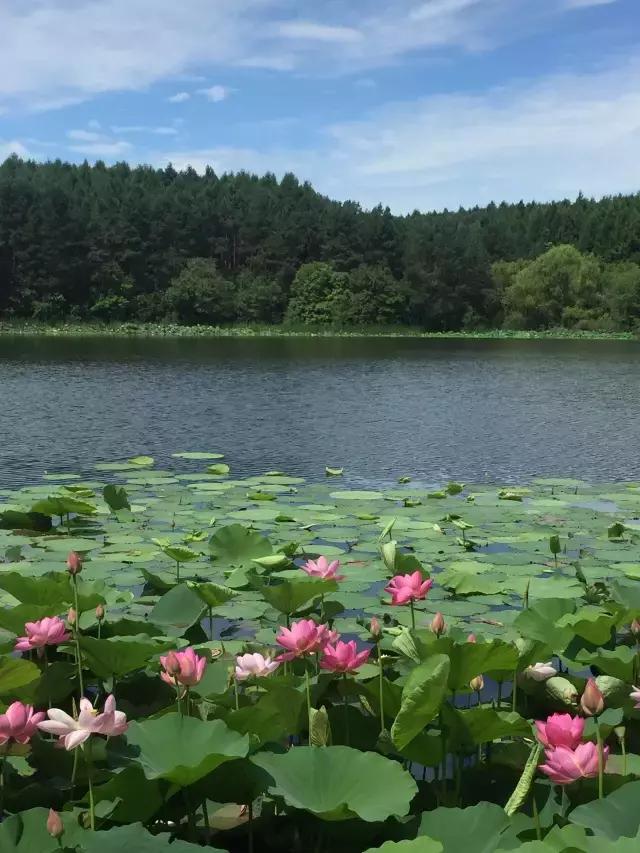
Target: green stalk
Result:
[[346, 709], [513, 691], [235, 693], [308, 689], [3, 771], [178, 571], [76, 635], [600, 762], [178, 698], [88, 758], [413, 615], [381, 684], [624, 756], [536, 816], [211, 624]]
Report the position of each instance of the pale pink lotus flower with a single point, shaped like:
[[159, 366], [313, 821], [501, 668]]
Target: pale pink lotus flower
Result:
[[375, 629], [592, 699], [185, 667], [560, 730], [564, 765], [477, 683], [55, 827], [112, 722], [343, 657], [540, 671], [254, 666], [304, 637], [472, 638], [72, 732], [635, 695], [46, 632], [322, 568], [405, 588], [19, 723]]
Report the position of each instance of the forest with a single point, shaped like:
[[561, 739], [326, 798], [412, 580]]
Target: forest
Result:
[[98, 243]]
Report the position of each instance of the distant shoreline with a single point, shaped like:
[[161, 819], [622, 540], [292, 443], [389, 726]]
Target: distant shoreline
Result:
[[168, 330]]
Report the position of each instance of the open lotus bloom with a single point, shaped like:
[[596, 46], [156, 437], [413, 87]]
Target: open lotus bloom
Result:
[[540, 671], [304, 637], [254, 666], [185, 667], [560, 730], [343, 657], [322, 568], [72, 732], [406, 588], [46, 632], [19, 723], [564, 765]]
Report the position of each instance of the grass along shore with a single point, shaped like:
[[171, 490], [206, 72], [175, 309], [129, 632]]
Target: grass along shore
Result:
[[172, 330]]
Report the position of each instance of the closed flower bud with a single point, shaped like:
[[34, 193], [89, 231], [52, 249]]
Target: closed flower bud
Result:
[[560, 689], [477, 683], [437, 624], [375, 629], [72, 616], [471, 638], [54, 824], [635, 628], [74, 563], [99, 613], [592, 700]]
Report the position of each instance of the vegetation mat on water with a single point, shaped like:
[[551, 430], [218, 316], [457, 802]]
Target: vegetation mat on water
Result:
[[263, 664]]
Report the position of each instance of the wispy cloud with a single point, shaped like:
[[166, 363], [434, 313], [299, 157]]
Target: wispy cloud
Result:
[[106, 148], [12, 147], [179, 98], [312, 31], [215, 94], [536, 140], [141, 128], [585, 4]]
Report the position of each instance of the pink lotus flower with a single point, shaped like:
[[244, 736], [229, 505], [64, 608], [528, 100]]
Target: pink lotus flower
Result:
[[438, 624], [254, 666], [185, 667], [635, 695], [74, 563], [592, 699], [471, 638], [19, 723], [322, 568], [560, 730], [343, 657], [55, 827], [73, 732], [405, 588], [46, 632], [565, 765], [304, 637], [540, 671]]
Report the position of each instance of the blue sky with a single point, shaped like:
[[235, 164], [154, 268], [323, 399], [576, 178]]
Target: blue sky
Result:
[[413, 103]]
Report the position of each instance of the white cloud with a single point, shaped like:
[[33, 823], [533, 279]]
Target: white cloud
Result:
[[534, 140], [179, 98], [84, 135], [12, 147], [104, 148], [141, 128], [586, 4], [309, 30], [215, 94]]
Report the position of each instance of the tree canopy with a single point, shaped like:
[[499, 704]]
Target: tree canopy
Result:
[[113, 243]]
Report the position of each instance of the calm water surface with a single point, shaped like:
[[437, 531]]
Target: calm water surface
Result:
[[472, 410]]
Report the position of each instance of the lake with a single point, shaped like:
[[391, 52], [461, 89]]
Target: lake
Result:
[[382, 407]]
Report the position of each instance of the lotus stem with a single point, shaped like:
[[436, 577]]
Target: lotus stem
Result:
[[600, 762], [177, 571], [211, 623], [308, 691], [624, 756], [235, 693], [76, 635], [413, 615], [346, 709], [3, 771], [513, 690], [536, 816], [250, 809], [88, 758], [381, 686], [178, 698]]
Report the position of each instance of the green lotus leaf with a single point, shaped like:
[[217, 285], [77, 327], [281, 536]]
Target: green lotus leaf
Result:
[[116, 497], [17, 520], [237, 546], [16, 673], [213, 594], [141, 461], [415, 845], [615, 815], [52, 589], [274, 717], [194, 454], [422, 696], [477, 828], [288, 596], [184, 749], [135, 837], [178, 609], [63, 505], [218, 468], [121, 655], [469, 727], [339, 783]]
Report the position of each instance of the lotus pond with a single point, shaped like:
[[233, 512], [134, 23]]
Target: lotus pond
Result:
[[264, 664]]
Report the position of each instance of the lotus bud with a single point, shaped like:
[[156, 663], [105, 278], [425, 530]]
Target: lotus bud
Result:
[[172, 665], [471, 638], [54, 824], [477, 683], [74, 563], [592, 700], [72, 616], [561, 689], [620, 733], [437, 624], [99, 613], [375, 629], [635, 628]]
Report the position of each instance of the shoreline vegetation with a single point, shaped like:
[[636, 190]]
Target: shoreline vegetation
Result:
[[174, 330]]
